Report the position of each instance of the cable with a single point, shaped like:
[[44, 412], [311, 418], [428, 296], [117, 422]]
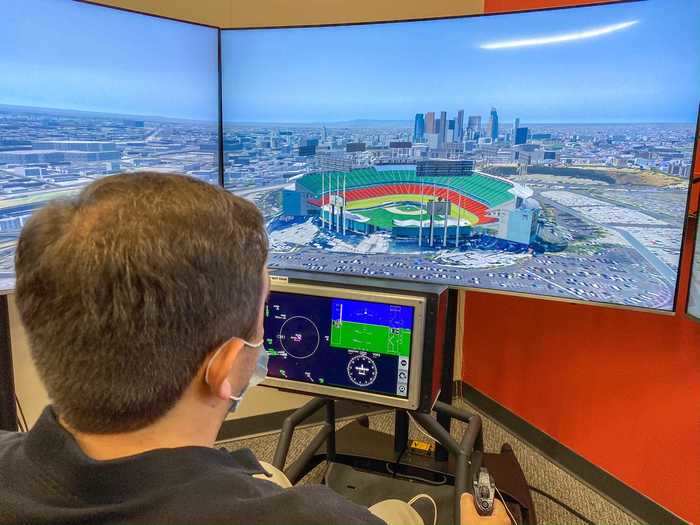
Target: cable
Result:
[[562, 505], [425, 496], [23, 426], [512, 518]]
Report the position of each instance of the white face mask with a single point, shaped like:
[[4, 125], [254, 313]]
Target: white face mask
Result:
[[258, 376]]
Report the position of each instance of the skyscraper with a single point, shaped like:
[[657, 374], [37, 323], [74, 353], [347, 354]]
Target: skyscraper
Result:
[[430, 122], [451, 131], [493, 125], [473, 127], [442, 130], [459, 126], [516, 125], [521, 136], [419, 128]]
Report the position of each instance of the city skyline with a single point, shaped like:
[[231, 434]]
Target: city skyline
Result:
[[316, 74]]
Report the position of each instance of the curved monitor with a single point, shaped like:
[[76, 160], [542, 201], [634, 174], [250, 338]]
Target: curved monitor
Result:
[[544, 153], [87, 91]]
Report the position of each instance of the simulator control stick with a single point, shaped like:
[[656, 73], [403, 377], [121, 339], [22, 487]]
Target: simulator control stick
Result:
[[484, 492]]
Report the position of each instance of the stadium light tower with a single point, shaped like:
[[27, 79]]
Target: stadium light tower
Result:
[[432, 216], [446, 214], [344, 202], [459, 218], [420, 216], [335, 203]]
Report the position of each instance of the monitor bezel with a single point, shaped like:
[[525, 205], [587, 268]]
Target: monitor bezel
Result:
[[674, 310], [418, 302], [696, 244]]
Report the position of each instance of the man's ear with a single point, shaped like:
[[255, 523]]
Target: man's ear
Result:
[[220, 365]]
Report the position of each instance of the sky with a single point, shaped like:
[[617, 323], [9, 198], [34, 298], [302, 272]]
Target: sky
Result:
[[69, 55], [647, 71]]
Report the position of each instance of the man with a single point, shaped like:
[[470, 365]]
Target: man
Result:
[[143, 302]]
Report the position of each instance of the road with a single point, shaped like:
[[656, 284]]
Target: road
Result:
[[261, 189]]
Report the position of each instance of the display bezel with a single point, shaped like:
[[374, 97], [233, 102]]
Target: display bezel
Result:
[[418, 303], [695, 245]]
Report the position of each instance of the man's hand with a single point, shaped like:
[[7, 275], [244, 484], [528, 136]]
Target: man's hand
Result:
[[469, 516]]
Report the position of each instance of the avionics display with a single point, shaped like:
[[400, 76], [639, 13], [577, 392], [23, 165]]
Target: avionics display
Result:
[[543, 153], [694, 294], [339, 342], [87, 91], [345, 343]]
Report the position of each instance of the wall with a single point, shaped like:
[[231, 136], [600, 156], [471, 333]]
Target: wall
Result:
[[619, 387]]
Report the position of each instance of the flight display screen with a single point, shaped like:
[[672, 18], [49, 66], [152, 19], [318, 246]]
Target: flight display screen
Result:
[[357, 345]]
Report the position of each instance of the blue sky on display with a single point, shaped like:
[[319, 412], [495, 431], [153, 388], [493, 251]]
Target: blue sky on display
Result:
[[632, 62]]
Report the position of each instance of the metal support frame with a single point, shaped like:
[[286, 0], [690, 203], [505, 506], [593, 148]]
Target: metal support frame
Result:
[[467, 453], [470, 445], [326, 435]]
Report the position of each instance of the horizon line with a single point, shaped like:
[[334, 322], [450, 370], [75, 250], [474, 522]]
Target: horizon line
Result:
[[108, 113]]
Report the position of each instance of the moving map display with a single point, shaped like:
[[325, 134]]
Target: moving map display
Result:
[[87, 91], [542, 153], [356, 345]]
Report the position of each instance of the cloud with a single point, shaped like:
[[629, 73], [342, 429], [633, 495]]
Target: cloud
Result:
[[557, 39]]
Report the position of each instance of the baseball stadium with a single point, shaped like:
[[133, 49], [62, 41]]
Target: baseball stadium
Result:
[[411, 205]]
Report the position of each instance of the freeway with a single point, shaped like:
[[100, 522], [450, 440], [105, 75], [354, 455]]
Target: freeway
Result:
[[260, 189]]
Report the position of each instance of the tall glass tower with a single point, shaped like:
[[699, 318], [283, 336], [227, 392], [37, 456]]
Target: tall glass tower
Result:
[[493, 124], [442, 128], [419, 128], [459, 128]]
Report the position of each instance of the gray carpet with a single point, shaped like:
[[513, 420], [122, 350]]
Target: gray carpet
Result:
[[539, 471]]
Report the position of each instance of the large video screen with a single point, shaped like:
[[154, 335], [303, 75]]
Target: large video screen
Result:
[[544, 153], [86, 91]]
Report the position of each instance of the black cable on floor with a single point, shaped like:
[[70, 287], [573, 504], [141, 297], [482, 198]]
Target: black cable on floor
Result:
[[562, 505]]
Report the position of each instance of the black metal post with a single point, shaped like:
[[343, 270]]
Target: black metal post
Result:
[[447, 383], [8, 408], [400, 431], [330, 421]]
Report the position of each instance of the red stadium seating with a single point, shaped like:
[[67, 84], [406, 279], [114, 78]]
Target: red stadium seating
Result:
[[386, 190]]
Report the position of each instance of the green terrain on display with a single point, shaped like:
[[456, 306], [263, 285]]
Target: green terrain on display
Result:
[[372, 338]]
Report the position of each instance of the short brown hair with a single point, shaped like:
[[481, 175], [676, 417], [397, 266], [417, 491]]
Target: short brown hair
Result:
[[125, 289]]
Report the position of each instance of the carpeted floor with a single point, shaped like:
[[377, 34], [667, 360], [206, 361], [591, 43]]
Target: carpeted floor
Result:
[[539, 471]]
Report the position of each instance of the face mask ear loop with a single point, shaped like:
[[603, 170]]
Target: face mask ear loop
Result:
[[206, 373]]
